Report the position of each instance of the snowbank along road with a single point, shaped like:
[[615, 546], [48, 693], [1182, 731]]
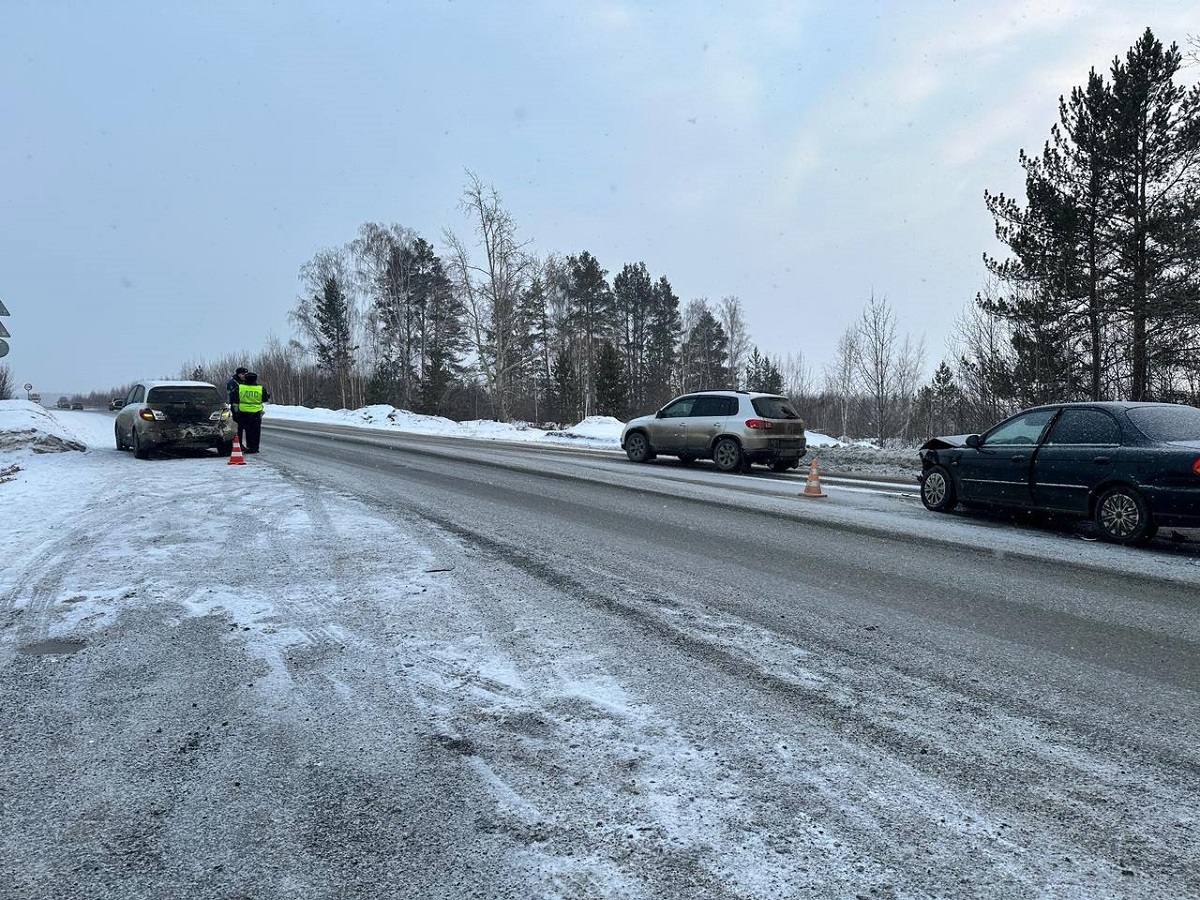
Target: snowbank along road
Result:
[[401, 667]]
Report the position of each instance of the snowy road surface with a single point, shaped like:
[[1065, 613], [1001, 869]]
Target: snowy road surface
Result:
[[405, 668]]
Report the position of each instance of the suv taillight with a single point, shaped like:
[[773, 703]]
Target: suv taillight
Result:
[[1196, 467], [152, 415], [759, 424]]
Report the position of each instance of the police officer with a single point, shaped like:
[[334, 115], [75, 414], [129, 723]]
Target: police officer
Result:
[[234, 380], [231, 388], [250, 398]]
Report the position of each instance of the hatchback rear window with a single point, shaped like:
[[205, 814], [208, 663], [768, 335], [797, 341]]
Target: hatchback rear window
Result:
[[200, 395], [1167, 423], [774, 408]]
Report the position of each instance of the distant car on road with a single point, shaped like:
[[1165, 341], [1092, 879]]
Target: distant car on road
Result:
[[732, 428], [160, 415], [1130, 467], [77, 404], [62, 403]]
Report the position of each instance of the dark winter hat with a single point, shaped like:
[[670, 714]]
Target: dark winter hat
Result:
[[240, 370], [251, 378]]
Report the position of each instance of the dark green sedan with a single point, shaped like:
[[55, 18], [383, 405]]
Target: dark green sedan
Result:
[[1130, 467]]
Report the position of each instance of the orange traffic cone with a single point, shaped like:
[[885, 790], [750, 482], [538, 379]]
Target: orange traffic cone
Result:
[[812, 487], [236, 458]]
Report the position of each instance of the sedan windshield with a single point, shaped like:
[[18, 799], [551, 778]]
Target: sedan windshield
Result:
[[1167, 423]]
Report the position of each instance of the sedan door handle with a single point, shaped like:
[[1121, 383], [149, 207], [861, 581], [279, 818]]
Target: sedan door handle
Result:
[[1020, 457], [1101, 460]]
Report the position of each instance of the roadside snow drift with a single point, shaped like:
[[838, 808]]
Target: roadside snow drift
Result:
[[27, 426]]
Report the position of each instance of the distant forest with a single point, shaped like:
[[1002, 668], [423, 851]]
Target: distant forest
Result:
[[1095, 296]]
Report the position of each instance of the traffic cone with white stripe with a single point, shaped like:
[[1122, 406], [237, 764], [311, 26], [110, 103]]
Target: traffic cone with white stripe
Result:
[[812, 487], [236, 458]]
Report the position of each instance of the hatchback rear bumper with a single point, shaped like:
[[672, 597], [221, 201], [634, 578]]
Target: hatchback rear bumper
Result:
[[189, 435]]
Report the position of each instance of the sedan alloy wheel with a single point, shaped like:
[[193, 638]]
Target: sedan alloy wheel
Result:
[[1123, 516], [937, 490]]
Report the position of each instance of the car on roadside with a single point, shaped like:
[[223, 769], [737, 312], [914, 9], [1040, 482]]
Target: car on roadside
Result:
[[1130, 467], [77, 404], [734, 429], [169, 415]]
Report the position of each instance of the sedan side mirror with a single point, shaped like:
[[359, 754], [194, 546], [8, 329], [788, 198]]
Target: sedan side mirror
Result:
[[973, 441]]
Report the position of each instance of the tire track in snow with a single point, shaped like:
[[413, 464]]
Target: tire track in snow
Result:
[[1106, 829]]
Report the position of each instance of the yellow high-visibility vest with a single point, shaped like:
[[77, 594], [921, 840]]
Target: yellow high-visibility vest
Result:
[[250, 398]]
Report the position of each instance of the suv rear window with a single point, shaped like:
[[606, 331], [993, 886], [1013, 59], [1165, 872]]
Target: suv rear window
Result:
[[774, 408], [1159, 423], [200, 395]]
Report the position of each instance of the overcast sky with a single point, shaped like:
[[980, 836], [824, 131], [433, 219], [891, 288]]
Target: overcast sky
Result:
[[168, 167]]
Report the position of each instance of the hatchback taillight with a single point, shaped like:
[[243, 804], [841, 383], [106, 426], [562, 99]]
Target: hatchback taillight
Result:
[[759, 424], [152, 415], [1196, 467]]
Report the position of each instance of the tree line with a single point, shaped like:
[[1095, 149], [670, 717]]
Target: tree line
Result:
[[487, 328], [1097, 297]]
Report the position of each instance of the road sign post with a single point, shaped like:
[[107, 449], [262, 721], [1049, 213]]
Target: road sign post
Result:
[[3, 332]]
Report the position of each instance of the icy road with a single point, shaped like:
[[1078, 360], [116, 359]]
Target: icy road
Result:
[[386, 665]]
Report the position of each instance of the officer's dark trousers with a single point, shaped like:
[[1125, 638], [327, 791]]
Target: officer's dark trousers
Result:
[[250, 424]]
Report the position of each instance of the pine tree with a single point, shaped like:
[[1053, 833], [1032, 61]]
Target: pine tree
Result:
[[591, 317], [333, 344], [566, 386], [633, 305], [1101, 289], [611, 386], [443, 334], [762, 374], [662, 345], [704, 354], [1155, 137]]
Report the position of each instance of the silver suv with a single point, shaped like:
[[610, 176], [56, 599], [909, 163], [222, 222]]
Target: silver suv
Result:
[[732, 428]]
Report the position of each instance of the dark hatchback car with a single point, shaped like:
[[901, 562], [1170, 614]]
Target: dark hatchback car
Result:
[[161, 415], [1130, 467]]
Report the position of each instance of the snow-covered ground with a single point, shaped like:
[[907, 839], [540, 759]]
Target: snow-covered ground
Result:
[[323, 618], [597, 432]]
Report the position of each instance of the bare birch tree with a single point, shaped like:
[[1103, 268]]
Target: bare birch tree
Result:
[[887, 368], [737, 338], [839, 376], [491, 290], [797, 376]]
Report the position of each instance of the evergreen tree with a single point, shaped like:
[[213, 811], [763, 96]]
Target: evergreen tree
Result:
[[633, 305], [611, 386], [565, 382], [443, 333], [1101, 289], [762, 374], [591, 316], [704, 353], [333, 339], [1155, 137], [662, 345], [531, 346]]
